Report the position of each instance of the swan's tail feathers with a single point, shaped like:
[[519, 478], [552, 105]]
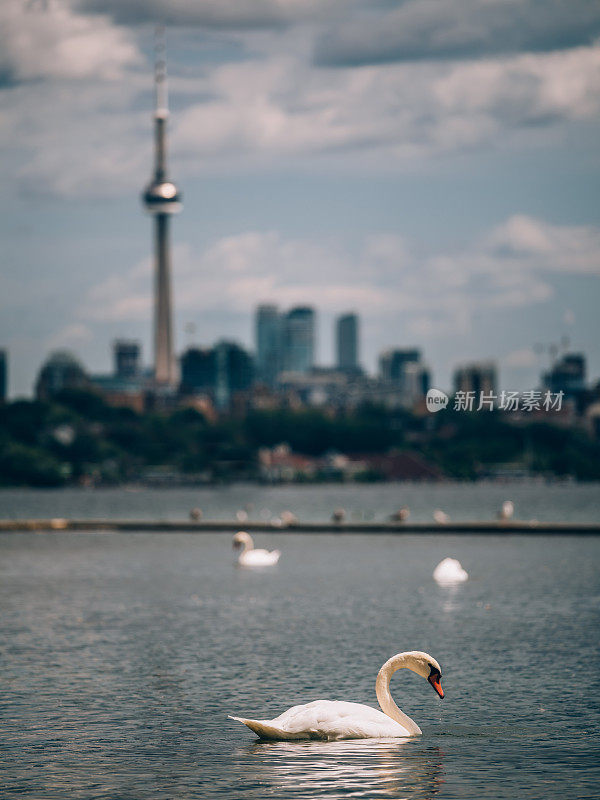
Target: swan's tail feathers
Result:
[[261, 729]]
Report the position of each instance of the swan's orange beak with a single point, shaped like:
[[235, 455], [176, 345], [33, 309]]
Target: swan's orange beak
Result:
[[434, 680]]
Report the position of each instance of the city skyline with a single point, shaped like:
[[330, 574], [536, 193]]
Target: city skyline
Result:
[[270, 361], [344, 159]]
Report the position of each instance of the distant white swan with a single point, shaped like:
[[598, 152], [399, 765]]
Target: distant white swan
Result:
[[441, 517], [449, 572], [249, 557], [332, 719], [507, 510]]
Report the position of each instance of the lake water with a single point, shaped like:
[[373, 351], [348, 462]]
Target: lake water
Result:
[[555, 502], [123, 654]]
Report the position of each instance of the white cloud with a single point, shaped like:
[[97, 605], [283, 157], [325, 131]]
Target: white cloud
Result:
[[433, 295], [280, 107], [70, 84], [525, 89], [49, 39], [523, 243], [84, 139], [77, 133]]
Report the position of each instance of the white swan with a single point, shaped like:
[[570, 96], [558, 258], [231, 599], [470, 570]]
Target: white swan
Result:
[[249, 557], [450, 572], [441, 517], [332, 720]]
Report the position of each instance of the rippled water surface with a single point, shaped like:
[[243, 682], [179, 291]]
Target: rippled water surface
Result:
[[123, 654], [558, 502]]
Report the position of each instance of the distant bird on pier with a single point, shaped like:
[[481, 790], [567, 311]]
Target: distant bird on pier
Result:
[[288, 518], [440, 517], [249, 557], [339, 515], [241, 515], [507, 511], [196, 514], [449, 572], [401, 515]]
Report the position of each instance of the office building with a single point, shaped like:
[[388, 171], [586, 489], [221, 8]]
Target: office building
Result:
[[235, 372], [219, 371], [404, 372], [268, 340], [347, 343], [392, 363], [299, 339], [126, 356], [568, 375], [198, 370], [477, 377]]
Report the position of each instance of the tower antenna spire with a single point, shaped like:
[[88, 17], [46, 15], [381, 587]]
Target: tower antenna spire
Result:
[[160, 72]]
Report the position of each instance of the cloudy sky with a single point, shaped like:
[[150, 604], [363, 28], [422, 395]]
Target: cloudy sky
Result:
[[432, 164]]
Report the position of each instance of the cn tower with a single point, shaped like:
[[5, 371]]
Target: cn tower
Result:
[[161, 199]]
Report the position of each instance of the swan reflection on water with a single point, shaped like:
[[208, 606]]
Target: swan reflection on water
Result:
[[451, 595], [391, 768]]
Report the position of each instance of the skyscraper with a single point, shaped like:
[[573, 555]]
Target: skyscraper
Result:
[[198, 370], [392, 363], [162, 199], [480, 377], [268, 335], [404, 370], [235, 372], [299, 339], [126, 358], [347, 343], [567, 375]]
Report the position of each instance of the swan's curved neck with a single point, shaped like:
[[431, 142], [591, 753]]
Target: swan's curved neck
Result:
[[248, 543], [384, 697]]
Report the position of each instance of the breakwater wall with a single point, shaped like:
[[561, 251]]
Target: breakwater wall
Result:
[[532, 527]]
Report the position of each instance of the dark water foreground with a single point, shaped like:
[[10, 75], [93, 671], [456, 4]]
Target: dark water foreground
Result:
[[122, 657]]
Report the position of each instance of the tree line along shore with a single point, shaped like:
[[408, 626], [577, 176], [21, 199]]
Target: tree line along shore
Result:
[[79, 439]]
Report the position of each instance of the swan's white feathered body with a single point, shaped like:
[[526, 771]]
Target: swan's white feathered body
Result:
[[259, 558], [249, 557], [449, 572], [333, 719], [330, 720]]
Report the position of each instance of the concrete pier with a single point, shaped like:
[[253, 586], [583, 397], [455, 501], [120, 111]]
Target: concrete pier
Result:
[[530, 527]]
